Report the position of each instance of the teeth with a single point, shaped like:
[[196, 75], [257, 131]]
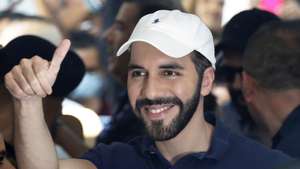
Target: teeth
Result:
[[155, 111]]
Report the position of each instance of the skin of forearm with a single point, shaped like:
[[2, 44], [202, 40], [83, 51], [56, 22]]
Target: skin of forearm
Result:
[[33, 143]]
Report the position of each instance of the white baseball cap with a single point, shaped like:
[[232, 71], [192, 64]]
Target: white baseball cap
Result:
[[174, 33]]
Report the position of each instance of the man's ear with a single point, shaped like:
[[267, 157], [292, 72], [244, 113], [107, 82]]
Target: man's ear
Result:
[[207, 81], [248, 87]]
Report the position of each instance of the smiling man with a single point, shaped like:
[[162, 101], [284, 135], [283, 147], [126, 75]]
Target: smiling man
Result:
[[171, 68]]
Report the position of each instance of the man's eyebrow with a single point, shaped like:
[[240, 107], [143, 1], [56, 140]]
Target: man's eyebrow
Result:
[[171, 66], [134, 66]]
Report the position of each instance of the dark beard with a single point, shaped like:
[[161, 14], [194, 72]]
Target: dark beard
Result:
[[186, 111]]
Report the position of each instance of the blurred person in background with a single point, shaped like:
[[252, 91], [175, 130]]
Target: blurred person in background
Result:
[[14, 25], [232, 45], [285, 9], [124, 125], [61, 131], [210, 11], [4, 155], [89, 91], [290, 10], [271, 84], [69, 14]]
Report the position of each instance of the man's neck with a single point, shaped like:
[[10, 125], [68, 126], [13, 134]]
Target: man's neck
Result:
[[195, 137], [278, 107]]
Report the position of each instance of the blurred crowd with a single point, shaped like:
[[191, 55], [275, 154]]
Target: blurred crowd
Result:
[[255, 95]]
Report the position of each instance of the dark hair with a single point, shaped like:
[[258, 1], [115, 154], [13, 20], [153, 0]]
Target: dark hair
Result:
[[147, 7], [200, 62], [273, 56], [82, 39]]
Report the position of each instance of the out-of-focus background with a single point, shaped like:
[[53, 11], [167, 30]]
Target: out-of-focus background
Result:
[[98, 109]]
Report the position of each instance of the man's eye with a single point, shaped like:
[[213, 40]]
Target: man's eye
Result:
[[170, 73], [136, 74]]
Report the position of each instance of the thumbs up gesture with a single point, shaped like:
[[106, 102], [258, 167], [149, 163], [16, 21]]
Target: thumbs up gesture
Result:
[[35, 77]]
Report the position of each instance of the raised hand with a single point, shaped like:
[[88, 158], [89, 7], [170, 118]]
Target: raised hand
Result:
[[35, 76]]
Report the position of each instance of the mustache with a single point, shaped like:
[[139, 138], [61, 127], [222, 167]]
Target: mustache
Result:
[[162, 100]]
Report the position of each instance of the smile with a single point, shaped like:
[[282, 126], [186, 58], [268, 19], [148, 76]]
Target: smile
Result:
[[157, 112]]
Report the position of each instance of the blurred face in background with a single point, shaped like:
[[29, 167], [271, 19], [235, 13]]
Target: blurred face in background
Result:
[[231, 70], [122, 27], [118, 34], [210, 11], [290, 10]]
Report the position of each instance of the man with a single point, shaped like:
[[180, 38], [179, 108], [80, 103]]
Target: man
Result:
[[124, 125], [171, 68], [271, 84], [233, 43]]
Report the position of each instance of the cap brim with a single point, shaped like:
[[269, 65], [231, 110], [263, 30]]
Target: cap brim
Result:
[[161, 41]]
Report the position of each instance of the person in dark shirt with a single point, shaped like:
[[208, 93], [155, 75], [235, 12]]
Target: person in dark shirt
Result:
[[272, 86], [171, 69], [234, 39]]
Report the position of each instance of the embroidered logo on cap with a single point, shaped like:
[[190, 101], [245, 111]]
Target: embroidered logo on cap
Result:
[[155, 21]]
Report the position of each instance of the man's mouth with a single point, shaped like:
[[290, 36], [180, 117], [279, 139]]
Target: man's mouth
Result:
[[157, 112]]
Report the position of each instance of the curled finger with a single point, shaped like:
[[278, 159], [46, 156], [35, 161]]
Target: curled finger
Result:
[[31, 77], [20, 80], [13, 87]]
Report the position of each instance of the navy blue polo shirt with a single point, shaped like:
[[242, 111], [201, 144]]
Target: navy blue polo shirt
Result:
[[227, 151], [287, 138]]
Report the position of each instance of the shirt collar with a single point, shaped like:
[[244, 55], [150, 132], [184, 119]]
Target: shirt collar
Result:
[[291, 121], [218, 147], [219, 143]]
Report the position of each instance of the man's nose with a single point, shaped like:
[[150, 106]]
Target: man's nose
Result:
[[151, 88]]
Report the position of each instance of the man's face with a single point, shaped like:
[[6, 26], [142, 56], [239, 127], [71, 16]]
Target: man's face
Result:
[[210, 11], [163, 91]]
